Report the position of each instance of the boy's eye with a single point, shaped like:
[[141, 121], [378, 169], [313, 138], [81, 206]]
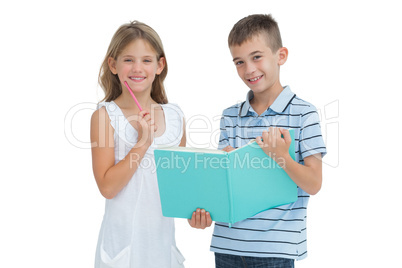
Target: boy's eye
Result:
[[147, 60], [238, 62], [127, 60], [256, 57]]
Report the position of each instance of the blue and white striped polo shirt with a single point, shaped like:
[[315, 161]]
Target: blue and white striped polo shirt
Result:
[[278, 232]]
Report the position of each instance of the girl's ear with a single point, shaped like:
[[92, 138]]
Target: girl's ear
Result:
[[282, 55], [161, 65], [112, 65]]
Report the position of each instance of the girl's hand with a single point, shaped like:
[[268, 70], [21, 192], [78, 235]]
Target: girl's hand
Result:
[[274, 145], [146, 129], [200, 219]]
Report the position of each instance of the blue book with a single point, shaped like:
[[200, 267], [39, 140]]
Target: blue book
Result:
[[232, 186]]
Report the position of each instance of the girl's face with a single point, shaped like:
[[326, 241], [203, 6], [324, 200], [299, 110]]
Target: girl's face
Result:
[[137, 64]]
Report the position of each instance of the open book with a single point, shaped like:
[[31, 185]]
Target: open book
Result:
[[231, 186]]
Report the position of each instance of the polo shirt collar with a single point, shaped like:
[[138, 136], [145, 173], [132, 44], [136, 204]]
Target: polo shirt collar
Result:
[[280, 104]]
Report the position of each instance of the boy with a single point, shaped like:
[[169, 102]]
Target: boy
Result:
[[276, 237]]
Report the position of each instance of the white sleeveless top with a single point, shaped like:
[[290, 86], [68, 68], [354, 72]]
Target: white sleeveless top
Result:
[[134, 233]]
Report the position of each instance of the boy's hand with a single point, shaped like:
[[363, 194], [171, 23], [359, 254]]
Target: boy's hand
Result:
[[274, 145], [200, 219], [228, 148]]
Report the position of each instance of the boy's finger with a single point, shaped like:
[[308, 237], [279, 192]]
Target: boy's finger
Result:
[[272, 132], [265, 138], [286, 135], [258, 140], [228, 148], [277, 132], [272, 136]]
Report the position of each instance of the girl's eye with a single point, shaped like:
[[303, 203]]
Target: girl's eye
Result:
[[127, 60], [256, 57], [147, 60], [238, 62]]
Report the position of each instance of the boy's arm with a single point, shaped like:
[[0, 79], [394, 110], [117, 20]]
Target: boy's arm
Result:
[[307, 176]]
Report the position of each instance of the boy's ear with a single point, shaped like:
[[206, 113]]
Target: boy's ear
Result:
[[112, 65], [282, 55]]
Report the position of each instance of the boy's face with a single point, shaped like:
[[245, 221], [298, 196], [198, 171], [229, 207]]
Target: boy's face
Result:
[[256, 65]]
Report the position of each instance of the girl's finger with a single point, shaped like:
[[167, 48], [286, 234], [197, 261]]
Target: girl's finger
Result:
[[197, 218], [143, 113], [203, 219], [147, 117], [192, 220], [209, 219]]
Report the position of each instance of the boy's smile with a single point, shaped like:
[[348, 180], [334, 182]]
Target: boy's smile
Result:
[[257, 66], [255, 79]]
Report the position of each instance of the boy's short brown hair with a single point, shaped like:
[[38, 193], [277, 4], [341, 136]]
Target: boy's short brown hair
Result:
[[253, 25]]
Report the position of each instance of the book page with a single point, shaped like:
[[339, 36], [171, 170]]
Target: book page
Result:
[[191, 149]]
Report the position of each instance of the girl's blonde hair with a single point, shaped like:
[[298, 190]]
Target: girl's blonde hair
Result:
[[127, 33]]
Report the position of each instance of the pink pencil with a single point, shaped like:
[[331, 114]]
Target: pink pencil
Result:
[[132, 94]]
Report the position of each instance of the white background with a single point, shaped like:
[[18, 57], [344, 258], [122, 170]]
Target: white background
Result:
[[344, 57]]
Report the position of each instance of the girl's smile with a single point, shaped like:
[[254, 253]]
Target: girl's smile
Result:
[[137, 79], [138, 65]]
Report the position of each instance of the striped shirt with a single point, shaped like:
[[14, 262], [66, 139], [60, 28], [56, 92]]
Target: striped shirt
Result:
[[279, 232]]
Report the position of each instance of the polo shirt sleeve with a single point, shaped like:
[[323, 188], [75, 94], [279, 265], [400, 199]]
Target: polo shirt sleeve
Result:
[[311, 141], [223, 137]]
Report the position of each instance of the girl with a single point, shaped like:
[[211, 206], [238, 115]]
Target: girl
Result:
[[134, 233]]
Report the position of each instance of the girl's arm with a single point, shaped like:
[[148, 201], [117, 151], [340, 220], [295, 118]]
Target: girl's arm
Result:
[[200, 219], [183, 141], [109, 177]]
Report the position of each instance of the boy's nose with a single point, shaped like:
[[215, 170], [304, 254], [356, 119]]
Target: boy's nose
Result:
[[250, 68]]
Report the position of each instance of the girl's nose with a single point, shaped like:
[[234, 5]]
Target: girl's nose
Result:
[[136, 66]]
